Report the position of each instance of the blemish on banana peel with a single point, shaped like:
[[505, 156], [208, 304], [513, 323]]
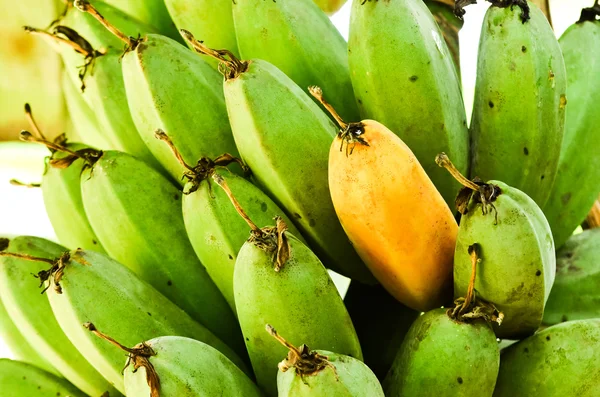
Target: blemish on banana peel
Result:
[[563, 101]]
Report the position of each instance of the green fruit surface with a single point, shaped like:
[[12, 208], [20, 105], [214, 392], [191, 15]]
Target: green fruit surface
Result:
[[216, 230], [171, 88], [349, 377], [450, 25], [561, 360], [97, 289], [575, 294], [300, 302], [150, 12], [404, 77], [136, 213], [520, 99], [284, 137], [577, 183], [30, 311], [442, 357], [300, 40], [19, 379], [518, 265], [188, 368]]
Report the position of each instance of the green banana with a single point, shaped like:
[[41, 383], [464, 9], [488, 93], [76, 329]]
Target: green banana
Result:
[[381, 323], [306, 372], [575, 294], [32, 315], [518, 263], [131, 310], [18, 345], [271, 117], [330, 7], [450, 352], [577, 182], [179, 366], [170, 88], [278, 280], [520, 100], [300, 40], [561, 360], [20, 379], [211, 20], [418, 98], [136, 213], [150, 12], [214, 228], [450, 25]]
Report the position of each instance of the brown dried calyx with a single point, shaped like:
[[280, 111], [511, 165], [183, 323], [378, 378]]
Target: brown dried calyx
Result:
[[481, 192], [471, 308], [53, 275], [525, 11], [204, 168], [271, 239], [306, 362], [229, 65], [138, 356], [590, 14], [350, 133]]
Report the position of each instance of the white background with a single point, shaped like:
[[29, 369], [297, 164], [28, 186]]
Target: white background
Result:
[[22, 210]]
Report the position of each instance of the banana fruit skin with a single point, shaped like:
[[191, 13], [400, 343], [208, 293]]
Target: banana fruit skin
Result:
[[151, 12], [449, 24], [19, 379], [188, 368], [32, 314], [520, 100], [404, 77], [171, 88], [577, 182], [551, 362], [300, 40], [61, 190], [131, 311], [136, 213], [272, 117], [575, 294]]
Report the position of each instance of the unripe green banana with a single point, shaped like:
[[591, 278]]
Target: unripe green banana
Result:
[[518, 264], [450, 25], [577, 182], [19, 379], [300, 40], [31, 313], [179, 366], [272, 117], [321, 373], [18, 345], [131, 310], [330, 7], [136, 213], [278, 280], [520, 99], [575, 294], [151, 12], [561, 360], [214, 227], [381, 323], [404, 77], [210, 20]]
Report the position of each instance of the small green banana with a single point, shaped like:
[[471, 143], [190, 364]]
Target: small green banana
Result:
[[214, 227], [381, 323], [31, 313], [575, 294], [518, 264], [271, 117], [520, 100], [170, 88], [561, 360], [131, 310], [577, 182], [300, 40], [278, 280], [418, 98], [450, 25], [321, 373], [20, 379], [150, 12], [211, 20], [179, 366]]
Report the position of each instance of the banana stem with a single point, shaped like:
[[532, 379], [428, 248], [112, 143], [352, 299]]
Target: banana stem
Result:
[[27, 257], [473, 252], [233, 66], [85, 6], [293, 349], [32, 123], [317, 93], [443, 161], [162, 136], [78, 48], [223, 184], [26, 136], [16, 182]]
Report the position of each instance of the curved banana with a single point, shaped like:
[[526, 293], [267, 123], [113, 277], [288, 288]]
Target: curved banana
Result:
[[19, 379]]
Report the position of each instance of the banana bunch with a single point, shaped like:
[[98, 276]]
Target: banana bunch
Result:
[[206, 193]]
